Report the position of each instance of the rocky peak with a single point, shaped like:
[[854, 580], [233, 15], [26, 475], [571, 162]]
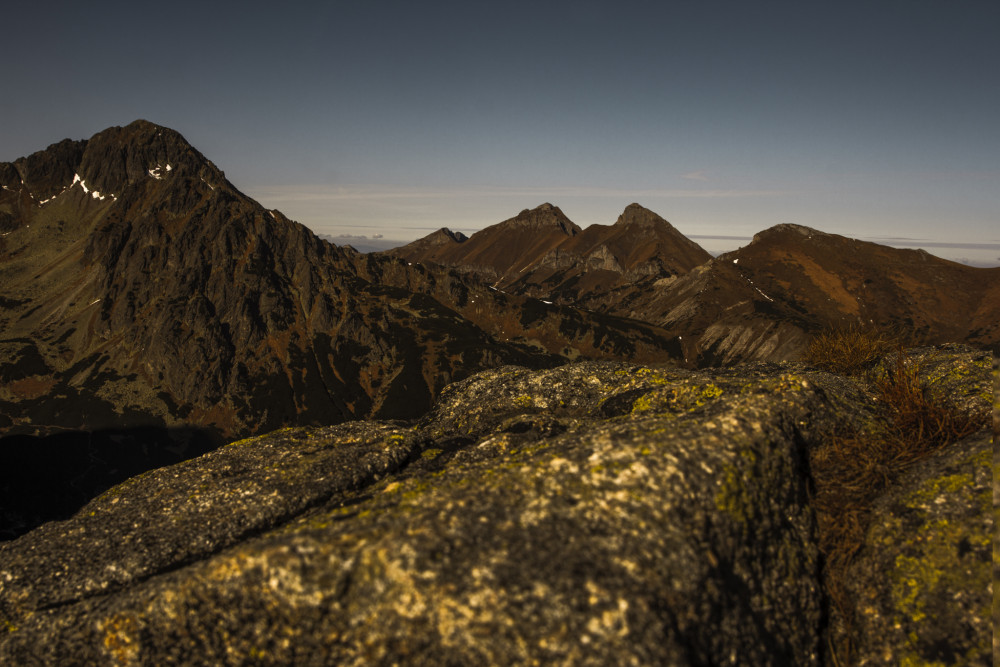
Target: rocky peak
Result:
[[46, 172], [635, 214], [108, 162], [543, 218], [445, 235], [120, 156], [787, 231]]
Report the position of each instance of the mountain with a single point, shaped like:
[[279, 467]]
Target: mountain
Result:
[[764, 301], [767, 299], [540, 252]]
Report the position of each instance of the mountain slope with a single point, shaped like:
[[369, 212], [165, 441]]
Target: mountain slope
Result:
[[765, 300]]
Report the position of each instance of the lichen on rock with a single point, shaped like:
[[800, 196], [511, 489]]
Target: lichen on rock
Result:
[[594, 513]]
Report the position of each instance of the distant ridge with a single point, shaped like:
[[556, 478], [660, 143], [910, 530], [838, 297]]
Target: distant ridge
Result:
[[543, 253], [763, 301]]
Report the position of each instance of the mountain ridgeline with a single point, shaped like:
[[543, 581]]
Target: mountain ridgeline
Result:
[[761, 302], [142, 288]]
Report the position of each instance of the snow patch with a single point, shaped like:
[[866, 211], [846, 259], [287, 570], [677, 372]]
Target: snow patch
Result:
[[83, 184], [94, 301], [169, 167], [548, 303], [736, 261], [272, 215]]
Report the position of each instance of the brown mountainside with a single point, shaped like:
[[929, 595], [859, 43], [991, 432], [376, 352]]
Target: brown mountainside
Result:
[[763, 301], [766, 299]]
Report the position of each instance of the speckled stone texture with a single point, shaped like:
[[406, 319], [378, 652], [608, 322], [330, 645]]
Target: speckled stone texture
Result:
[[595, 513], [923, 581]]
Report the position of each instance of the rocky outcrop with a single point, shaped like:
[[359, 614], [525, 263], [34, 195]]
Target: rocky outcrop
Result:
[[595, 513], [923, 582]]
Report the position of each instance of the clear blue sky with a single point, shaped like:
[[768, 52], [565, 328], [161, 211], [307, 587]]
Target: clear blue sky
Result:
[[872, 119]]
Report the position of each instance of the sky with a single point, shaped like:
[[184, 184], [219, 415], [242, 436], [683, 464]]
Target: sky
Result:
[[874, 120]]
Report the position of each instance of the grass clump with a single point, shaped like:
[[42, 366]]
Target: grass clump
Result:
[[856, 466], [851, 350]]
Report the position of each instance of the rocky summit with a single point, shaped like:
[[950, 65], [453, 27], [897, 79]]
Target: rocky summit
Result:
[[594, 513]]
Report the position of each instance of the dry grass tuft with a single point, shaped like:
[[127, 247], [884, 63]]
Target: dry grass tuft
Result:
[[852, 469], [851, 350]]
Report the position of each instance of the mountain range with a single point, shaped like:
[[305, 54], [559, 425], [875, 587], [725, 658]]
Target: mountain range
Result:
[[151, 311], [763, 301]]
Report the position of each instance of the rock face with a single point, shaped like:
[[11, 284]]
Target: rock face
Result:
[[924, 580], [595, 513]]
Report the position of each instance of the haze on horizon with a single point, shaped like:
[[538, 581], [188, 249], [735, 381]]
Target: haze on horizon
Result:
[[870, 120]]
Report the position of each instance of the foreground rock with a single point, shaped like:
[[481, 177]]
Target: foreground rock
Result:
[[597, 513], [923, 582]]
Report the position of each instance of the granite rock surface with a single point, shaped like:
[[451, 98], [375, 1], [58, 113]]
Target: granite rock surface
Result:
[[594, 513]]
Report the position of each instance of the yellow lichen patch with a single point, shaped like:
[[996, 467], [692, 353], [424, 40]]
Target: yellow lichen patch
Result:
[[121, 640], [938, 572], [734, 495], [677, 398]]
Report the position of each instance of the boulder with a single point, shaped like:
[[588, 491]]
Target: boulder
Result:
[[923, 581], [594, 513]]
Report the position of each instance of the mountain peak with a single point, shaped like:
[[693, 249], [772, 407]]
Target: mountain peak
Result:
[[141, 150], [637, 214], [544, 217], [446, 234], [787, 229]]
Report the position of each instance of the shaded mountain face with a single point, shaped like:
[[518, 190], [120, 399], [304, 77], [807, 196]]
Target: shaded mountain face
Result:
[[141, 288], [541, 253]]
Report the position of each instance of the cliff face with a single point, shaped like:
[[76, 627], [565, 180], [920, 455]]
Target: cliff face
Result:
[[602, 513]]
